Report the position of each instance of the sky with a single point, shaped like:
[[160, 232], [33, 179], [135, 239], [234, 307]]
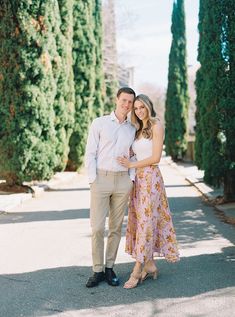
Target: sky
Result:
[[144, 37]]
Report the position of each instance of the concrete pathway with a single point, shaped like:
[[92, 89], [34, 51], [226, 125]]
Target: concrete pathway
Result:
[[45, 259]]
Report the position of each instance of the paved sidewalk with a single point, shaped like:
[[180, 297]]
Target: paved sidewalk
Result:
[[9, 201], [210, 194]]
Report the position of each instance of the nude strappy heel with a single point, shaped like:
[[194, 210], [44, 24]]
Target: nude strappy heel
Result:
[[133, 281], [146, 274]]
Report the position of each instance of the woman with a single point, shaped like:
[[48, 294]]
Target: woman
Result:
[[150, 229]]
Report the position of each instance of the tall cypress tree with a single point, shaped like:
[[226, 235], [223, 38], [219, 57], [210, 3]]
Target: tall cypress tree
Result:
[[177, 99], [199, 83], [65, 96], [110, 93], [228, 99], [27, 91], [84, 65], [209, 148], [215, 138], [99, 95], [110, 55]]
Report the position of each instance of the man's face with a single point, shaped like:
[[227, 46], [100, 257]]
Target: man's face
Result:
[[124, 103]]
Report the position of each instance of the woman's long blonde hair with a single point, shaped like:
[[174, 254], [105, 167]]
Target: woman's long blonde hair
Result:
[[146, 132]]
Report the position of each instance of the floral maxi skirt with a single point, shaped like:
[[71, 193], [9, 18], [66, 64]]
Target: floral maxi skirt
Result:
[[150, 230]]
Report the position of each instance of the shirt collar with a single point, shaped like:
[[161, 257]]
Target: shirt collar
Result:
[[114, 118]]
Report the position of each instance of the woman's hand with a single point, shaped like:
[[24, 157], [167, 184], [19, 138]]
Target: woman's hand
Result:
[[124, 161]]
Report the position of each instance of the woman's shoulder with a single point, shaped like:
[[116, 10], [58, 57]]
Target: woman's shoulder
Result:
[[157, 125]]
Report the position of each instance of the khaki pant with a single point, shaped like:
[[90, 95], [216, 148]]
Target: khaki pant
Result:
[[109, 195]]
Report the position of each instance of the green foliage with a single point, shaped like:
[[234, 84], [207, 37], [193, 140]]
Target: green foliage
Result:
[[65, 98], [99, 95], [36, 88], [228, 100], [208, 91], [215, 130], [87, 75], [111, 90], [27, 91], [44, 46], [177, 100]]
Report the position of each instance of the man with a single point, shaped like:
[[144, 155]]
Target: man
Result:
[[110, 136]]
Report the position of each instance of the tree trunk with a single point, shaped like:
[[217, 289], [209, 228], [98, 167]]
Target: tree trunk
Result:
[[229, 186]]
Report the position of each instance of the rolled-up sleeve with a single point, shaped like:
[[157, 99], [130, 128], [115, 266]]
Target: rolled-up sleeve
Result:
[[91, 151]]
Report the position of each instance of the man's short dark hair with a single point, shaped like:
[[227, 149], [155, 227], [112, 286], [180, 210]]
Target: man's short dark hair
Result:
[[126, 90]]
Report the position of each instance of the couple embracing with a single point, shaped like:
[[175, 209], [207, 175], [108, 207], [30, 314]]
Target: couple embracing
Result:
[[122, 159]]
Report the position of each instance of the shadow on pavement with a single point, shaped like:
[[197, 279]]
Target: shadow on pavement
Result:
[[193, 219], [51, 215], [50, 291]]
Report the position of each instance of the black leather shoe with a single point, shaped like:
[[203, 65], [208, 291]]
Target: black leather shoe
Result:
[[111, 277], [95, 279]]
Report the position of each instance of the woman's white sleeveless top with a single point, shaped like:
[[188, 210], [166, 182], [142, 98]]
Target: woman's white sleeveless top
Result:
[[142, 148]]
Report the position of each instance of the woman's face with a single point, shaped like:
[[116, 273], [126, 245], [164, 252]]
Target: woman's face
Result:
[[140, 110]]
